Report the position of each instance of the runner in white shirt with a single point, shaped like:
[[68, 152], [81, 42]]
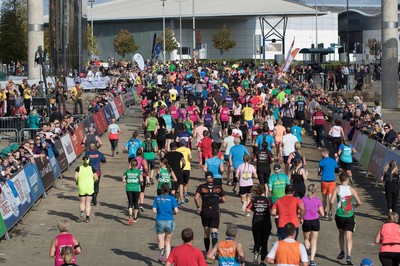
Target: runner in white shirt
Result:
[[228, 142], [288, 142]]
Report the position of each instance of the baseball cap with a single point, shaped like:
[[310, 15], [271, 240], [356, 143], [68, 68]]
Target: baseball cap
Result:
[[209, 174], [277, 167], [367, 262]]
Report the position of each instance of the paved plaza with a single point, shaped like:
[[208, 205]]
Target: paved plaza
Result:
[[109, 240]]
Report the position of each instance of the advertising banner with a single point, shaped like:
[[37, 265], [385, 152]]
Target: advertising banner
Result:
[[108, 113], [45, 171], [77, 138], [15, 199], [130, 100], [354, 139], [3, 228], [367, 152], [389, 155], [118, 104], [89, 83], [35, 182], [136, 95], [54, 163], [62, 158], [359, 146], [100, 121], [89, 122], [376, 163], [114, 109], [139, 89], [68, 148]]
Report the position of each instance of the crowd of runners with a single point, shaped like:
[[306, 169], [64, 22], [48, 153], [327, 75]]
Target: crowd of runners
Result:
[[247, 126]]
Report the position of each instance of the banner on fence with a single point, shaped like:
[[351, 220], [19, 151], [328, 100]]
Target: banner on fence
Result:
[[100, 121], [68, 148], [136, 95], [35, 182], [46, 171], [89, 122], [108, 113], [359, 145], [376, 163], [118, 104], [367, 151], [131, 97], [3, 228], [77, 138], [54, 163], [15, 201], [139, 89], [89, 83], [62, 158], [114, 109]]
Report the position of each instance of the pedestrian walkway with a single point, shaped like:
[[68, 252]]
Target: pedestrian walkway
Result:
[[109, 240]]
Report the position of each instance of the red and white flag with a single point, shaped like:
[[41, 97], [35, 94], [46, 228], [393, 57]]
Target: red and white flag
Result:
[[290, 56]]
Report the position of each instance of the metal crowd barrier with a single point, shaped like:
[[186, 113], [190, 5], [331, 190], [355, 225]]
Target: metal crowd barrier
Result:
[[27, 133], [14, 122], [9, 135]]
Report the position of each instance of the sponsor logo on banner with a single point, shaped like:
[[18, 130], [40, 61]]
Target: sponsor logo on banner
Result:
[[108, 113], [114, 109], [62, 158], [14, 204], [130, 100], [92, 84], [54, 163], [136, 95], [45, 171], [376, 163], [359, 146], [118, 104], [68, 148], [100, 121], [77, 138]]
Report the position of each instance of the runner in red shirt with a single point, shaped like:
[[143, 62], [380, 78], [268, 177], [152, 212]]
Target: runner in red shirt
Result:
[[205, 147], [186, 254]]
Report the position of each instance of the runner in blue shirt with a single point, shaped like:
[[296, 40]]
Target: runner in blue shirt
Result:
[[133, 145], [296, 130], [216, 166], [265, 137], [236, 154]]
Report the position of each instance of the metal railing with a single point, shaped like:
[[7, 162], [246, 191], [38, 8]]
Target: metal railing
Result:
[[9, 135], [27, 133]]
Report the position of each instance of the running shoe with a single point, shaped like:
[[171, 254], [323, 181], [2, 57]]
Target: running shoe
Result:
[[130, 221], [186, 198], [349, 261], [330, 215], [255, 259], [87, 220], [247, 214], [117, 152], [94, 200], [308, 251], [81, 217], [141, 208], [151, 181], [147, 184], [312, 263], [341, 255], [161, 257], [135, 220], [182, 204]]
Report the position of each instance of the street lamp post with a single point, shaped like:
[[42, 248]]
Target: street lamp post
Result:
[[180, 29], [91, 23], [163, 5]]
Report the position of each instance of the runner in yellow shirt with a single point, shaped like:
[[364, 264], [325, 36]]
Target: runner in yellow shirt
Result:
[[187, 156]]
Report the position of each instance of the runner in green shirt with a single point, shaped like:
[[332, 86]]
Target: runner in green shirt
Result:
[[149, 154], [165, 175], [151, 124], [277, 183], [133, 178]]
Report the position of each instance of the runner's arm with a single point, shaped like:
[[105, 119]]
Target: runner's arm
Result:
[[356, 197], [77, 246], [211, 254], [53, 247], [240, 253], [378, 237]]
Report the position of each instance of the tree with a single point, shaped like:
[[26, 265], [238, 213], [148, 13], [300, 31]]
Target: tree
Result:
[[124, 43], [170, 42], [375, 47], [13, 31], [92, 42], [222, 40]]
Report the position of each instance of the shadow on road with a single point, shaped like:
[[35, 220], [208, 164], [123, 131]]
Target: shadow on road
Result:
[[134, 256]]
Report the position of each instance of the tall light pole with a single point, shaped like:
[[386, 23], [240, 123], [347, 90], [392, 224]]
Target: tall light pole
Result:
[[347, 35], [180, 29], [194, 29], [91, 24], [316, 25], [163, 5]]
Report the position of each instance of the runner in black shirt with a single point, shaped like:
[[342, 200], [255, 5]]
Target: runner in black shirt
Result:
[[211, 195], [264, 159], [177, 163], [261, 224]]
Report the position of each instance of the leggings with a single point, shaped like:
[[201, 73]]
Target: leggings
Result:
[[133, 199], [336, 141], [389, 258], [261, 232], [392, 194]]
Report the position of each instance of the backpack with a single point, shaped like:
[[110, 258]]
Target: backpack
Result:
[[148, 146]]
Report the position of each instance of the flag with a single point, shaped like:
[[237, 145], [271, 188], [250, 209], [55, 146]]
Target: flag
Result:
[[288, 54], [290, 59], [139, 60], [154, 46]]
